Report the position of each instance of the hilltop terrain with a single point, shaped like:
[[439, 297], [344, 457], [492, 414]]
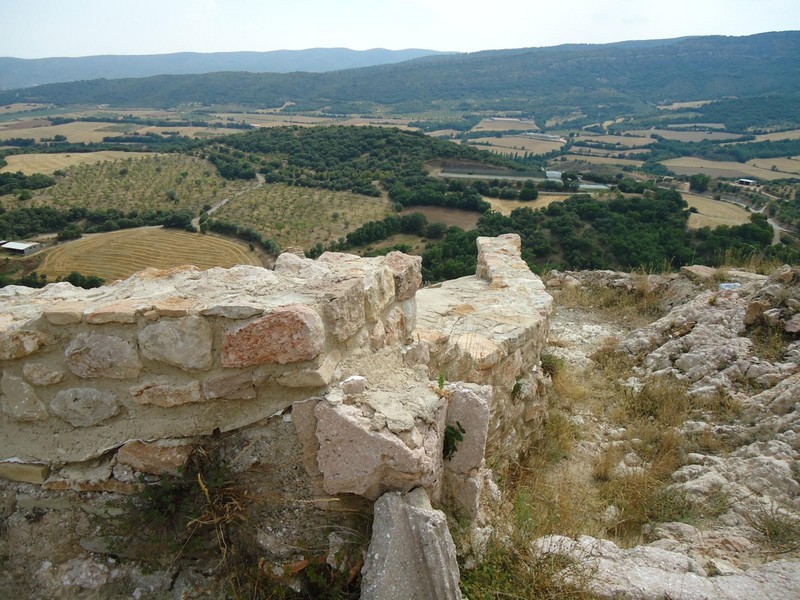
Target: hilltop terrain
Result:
[[22, 73]]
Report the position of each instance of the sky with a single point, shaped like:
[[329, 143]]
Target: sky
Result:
[[48, 28]]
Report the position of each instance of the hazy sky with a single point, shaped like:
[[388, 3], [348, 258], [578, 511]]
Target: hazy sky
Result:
[[42, 28]]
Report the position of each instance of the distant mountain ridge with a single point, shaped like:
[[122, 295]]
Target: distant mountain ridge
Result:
[[22, 72], [596, 81]]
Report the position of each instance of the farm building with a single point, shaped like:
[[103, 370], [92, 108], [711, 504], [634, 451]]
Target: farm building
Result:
[[553, 175], [746, 182], [23, 248]]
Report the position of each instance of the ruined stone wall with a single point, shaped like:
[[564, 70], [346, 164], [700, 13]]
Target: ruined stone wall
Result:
[[316, 383], [139, 366]]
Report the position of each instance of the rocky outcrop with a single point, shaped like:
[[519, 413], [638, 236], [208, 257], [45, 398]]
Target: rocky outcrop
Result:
[[649, 572]]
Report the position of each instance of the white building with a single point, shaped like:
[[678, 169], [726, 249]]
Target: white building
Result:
[[23, 248]]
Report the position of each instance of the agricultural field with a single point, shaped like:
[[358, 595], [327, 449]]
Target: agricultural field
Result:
[[299, 216], [506, 125], [713, 213], [174, 181], [622, 140], [686, 136], [689, 166], [263, 119], [602, 160], [20, 107], [793, 134], [784, 165], [515, 144], [682, 105], [48, 163], [466, 219], [504, 207], [77, 132], [119, 254]]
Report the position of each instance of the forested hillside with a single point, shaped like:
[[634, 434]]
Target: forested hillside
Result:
[[599, 80], [20, 72]]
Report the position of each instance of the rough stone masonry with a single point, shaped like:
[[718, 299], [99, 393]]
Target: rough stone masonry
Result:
[[100, 385]]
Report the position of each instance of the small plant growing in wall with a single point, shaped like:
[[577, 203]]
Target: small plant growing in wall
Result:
[[453, 434]]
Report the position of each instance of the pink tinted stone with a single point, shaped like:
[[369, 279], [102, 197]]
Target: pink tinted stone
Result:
[[152, 458], [292, 333]]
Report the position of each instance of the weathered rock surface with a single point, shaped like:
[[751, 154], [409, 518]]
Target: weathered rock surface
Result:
[[648, 572], [411, 555], [83, 407], [184, 343], [92, 355]]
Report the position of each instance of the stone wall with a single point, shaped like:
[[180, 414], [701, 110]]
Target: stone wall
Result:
[[316, 383], [139, 366]]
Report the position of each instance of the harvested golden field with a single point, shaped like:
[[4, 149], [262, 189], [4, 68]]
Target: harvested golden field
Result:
[[194, 132], [298, 216], [603, 160], [713, 213], [119, 254], [21, 107], [793, 134], [621, 140], [687, 136], [515, 144], [78, 131], [261, 119], [784, 165], [504, 207], [466, 219], [377, 122], [680, 105], [140, 184], [505, 125], [688, 165], [48, 163]]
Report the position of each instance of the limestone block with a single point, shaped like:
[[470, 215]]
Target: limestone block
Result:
[[154, 458], [407, 271], [24, 473], [497, 255], [166, 395], [305, 423], [417, 353], [354, 385], [92, 355], [65, 313], [470, 406], [39, 374], [317, 377], [233, 386], [355, 459], [395, 327], [699, 272], [20, 343], [377, 335], [173, 306], [83, 407], [379, 292], [121, 311], [411, 555], [409, 308], [343, 307], [292, 333], [793, 324], [19, 400], [184, 343]]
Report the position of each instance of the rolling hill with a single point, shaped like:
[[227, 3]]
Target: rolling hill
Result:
[[21, 72], [596, 80]]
